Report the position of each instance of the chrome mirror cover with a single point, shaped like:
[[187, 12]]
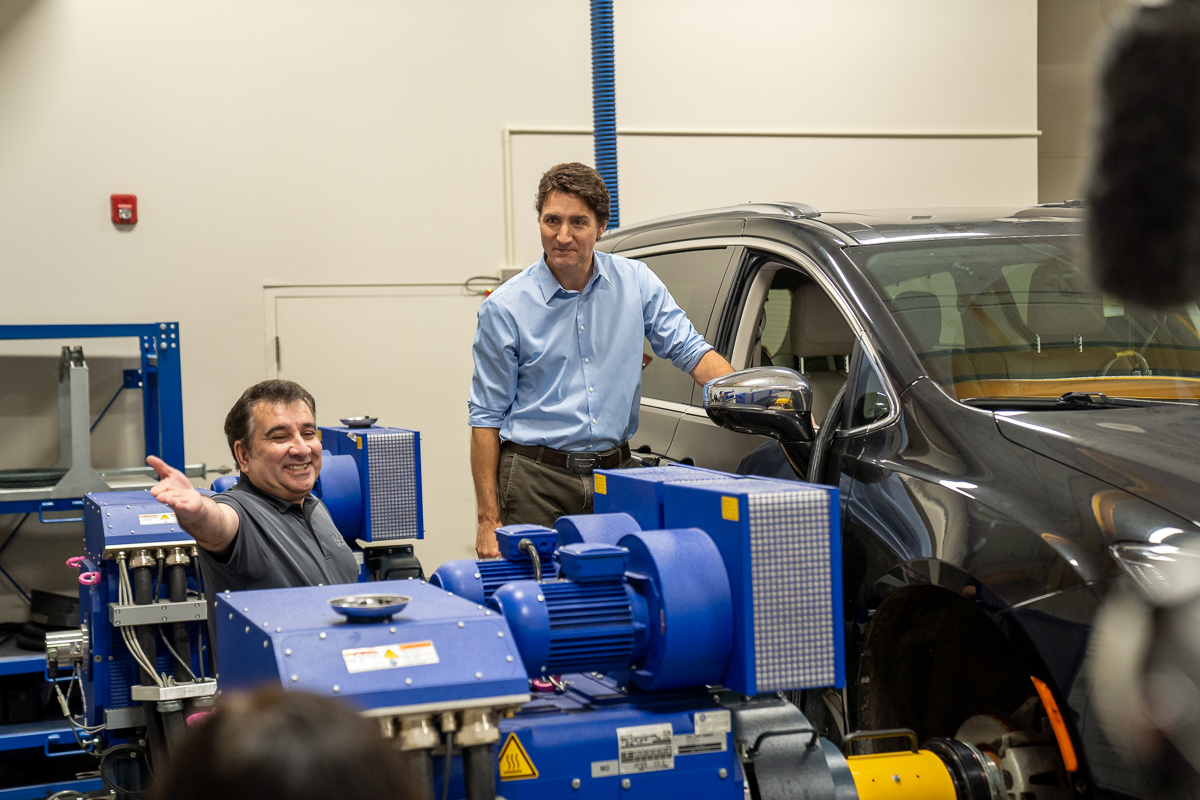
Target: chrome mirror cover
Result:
[[767, 401]]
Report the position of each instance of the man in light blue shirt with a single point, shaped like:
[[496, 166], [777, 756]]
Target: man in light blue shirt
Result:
[[558, 359]]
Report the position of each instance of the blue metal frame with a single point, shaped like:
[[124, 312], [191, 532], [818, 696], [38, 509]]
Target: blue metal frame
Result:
[[159, 379]]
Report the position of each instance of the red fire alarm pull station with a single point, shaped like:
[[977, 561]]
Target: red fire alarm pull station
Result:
[[124, 209]]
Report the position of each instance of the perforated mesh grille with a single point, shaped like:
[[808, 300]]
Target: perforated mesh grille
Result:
[[392, 468], [793, 605]]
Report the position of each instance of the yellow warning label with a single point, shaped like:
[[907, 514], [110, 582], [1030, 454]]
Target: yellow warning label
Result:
[[358, 440], [729, 508], [601, 484], [515, 763], [390, 654]]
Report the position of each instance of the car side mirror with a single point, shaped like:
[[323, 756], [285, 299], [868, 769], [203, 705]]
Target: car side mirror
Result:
[[768, 401]]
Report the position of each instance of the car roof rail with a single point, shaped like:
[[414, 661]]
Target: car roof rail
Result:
[[1064, 204], [769, 209]]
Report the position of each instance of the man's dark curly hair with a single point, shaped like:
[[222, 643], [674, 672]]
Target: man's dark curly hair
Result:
[[575, 178], [238, 422]]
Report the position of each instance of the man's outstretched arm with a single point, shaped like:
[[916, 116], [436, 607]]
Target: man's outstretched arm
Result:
[[212, 525], [485, 462], [711, 365]]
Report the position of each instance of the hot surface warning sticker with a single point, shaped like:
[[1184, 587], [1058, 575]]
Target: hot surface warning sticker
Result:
[[515, 763], [167, 518], [646, 748], [390, 656]]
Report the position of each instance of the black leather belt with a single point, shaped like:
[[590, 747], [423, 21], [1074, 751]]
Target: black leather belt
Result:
[[579, 463]]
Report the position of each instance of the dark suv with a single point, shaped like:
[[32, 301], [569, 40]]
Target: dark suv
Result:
[[1006, 443]]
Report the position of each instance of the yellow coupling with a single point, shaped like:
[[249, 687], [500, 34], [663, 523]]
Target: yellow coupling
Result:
[[901, 775], [912, 774]]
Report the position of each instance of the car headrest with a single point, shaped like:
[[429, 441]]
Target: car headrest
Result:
[[921, 314], [1060, 306], [818, 328]]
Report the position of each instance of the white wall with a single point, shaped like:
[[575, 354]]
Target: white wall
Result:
[[360, 141], [1071, 37]]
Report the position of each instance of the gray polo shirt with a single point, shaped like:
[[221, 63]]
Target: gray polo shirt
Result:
[[278, 544]]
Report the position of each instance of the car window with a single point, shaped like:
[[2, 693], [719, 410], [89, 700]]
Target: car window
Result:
[[693, 278], [1017, 318], [870, 402]]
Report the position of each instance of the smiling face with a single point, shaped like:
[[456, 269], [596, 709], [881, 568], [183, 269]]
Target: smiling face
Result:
[[284, 454], [569, 231]]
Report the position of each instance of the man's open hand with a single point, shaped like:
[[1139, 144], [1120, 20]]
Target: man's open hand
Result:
[[212, 525], [175, 490]]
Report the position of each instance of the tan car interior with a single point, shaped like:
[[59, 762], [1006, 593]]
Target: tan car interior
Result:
[[818, 341]]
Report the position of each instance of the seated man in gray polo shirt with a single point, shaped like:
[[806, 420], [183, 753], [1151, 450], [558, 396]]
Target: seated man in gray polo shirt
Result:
[[267, 531]]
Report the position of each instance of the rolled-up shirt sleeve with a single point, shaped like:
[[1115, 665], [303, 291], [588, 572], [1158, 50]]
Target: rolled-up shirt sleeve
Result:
[[668, 329], [494, 382]]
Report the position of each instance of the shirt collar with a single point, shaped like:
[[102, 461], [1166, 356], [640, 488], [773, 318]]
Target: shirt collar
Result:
[[278, 503], [550, 285]]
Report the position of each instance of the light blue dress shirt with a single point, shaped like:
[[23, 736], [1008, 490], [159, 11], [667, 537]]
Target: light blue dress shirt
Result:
[[564, 369]]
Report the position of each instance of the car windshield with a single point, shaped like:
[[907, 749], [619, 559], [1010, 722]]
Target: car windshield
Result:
[[1015, 318]]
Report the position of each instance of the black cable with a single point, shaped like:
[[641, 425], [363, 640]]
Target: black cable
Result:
[[162, 564], [449, 762], [111, 784], [178, 660]]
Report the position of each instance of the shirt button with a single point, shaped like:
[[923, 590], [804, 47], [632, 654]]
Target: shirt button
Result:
[[586, 360], [580, 327], [591, 389], [593, 420]]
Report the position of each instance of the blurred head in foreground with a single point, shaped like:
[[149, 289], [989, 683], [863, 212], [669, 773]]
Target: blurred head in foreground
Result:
[[282, 744]]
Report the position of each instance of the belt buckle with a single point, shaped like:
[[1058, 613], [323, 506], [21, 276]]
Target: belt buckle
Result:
[[582, 463]]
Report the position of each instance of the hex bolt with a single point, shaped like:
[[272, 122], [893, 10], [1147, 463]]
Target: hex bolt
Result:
[[508, 658], [461, 624], [264, 642], [279, 630], [287, 652], [541, 598], [722, 773], [895, 778], [392, 629], [478, 675], [476, 574], [500, 634], [295, 678], [576, 783], [625, 783], [322, 634], [247, 629], [408, 681], [336, 688]]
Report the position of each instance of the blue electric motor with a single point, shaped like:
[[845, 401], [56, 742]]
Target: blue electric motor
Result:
[[658, 604], [478, 579]]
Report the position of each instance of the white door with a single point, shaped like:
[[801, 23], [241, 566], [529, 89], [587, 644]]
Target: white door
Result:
[[401, 354]]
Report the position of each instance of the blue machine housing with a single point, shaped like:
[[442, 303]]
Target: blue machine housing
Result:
[[639, 492], [440, 648], [371, 482], [781, 545], [664, 745], [130, 521]]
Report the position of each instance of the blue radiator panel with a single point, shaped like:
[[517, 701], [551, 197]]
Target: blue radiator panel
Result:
[[781, 543]]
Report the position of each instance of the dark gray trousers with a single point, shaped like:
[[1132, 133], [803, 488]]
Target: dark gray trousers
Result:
[[538, 494]]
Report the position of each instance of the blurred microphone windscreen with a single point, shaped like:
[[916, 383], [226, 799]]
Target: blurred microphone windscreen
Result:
[[1143, 197]]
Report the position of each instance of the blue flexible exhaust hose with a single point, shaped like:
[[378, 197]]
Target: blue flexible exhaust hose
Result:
[[604, 103]]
